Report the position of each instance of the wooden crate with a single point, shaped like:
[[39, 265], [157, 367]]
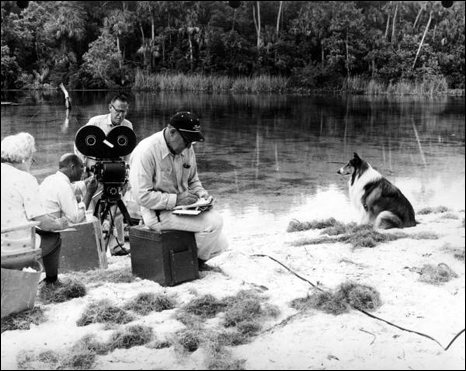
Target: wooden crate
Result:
[[84, 248], [168, 258]]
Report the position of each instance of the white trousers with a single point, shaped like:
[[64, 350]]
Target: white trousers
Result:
[[207, 228]]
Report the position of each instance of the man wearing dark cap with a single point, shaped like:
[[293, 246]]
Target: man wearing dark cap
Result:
[[164, 175]]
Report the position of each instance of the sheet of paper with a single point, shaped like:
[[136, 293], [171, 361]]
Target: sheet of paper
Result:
[[199, 203], [186, 212]]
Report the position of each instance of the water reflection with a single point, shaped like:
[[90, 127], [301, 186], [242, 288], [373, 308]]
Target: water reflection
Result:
[[272, 158]]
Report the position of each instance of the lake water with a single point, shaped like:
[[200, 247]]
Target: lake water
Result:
[[268, 159]]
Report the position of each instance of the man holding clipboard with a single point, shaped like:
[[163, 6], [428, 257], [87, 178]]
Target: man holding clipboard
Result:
[[163, 176]]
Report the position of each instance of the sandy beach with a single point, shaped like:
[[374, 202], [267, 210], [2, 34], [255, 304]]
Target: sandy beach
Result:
[[293, 338]]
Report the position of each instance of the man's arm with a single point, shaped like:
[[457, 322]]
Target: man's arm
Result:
[[48, 223], [91, 188], [143, 168], [194, 184], [69, 206]]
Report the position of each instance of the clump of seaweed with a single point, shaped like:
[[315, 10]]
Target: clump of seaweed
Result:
[[244, 316], [90, 342], [98, 277], [147, 302], [104, 311], [357, 235], [231, 337], [130, 336], [247, 312], [82, 354], [324, 301], [459, 254], [49, 294], [425, 235], [359, 296], [23, 320], [296, 225], [188, 339], [365, 237], [348, 295], [222, 359], [450, 216], [46, 360], [433, 210], [77, 357], [436, 275], [204, 307]]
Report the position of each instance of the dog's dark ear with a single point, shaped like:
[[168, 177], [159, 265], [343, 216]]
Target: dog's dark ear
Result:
[[356, 160]]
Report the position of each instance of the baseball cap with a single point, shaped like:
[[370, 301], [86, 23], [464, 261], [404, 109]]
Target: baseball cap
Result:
[[188, 125]]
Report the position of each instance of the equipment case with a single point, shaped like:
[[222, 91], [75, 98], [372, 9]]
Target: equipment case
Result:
[[169, 257]]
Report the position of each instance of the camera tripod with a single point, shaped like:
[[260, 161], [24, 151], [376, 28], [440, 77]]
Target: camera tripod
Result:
[[105, 203]]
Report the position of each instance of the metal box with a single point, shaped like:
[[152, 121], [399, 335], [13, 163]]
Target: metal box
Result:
[[168, 258], [82, 247]]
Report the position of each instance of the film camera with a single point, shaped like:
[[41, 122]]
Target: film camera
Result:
[[112, 174], [109, 169]]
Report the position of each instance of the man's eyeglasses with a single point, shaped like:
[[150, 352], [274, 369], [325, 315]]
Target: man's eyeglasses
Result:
[[119, 111]]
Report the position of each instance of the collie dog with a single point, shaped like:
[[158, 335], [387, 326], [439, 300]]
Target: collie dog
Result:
[[378, 201]]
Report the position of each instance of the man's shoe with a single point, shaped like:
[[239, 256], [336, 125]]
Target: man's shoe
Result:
[[203, 266], [119, 251], [59, 283]]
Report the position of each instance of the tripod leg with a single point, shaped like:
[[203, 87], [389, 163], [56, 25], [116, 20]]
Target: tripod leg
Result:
[[97, 207], [113, 223], [106, 211], [124, 211], [103, 216]]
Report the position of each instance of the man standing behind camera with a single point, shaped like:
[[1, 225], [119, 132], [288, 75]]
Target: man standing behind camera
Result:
[[163, 174], [118, 109]]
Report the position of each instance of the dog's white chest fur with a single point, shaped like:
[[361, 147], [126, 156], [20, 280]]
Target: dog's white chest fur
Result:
[[356, 192]]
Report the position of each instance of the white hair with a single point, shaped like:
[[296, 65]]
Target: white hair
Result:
[[17, 148]]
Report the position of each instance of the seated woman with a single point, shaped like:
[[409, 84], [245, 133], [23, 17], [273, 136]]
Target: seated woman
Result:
[[21, 203]]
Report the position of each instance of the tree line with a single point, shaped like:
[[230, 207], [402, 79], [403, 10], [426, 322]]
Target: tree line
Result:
[[314, 45]]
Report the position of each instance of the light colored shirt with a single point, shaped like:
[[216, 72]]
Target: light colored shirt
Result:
[[105, 123], [21, 202], [157, 176], [59, 198]]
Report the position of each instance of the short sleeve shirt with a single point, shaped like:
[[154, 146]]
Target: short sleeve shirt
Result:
[[21, 202]]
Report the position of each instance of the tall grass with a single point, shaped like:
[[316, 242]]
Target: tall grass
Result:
[[204, 83], [178, 82], [433, 85]]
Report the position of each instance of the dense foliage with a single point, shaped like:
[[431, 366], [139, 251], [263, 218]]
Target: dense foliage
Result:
[[318, 44]]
